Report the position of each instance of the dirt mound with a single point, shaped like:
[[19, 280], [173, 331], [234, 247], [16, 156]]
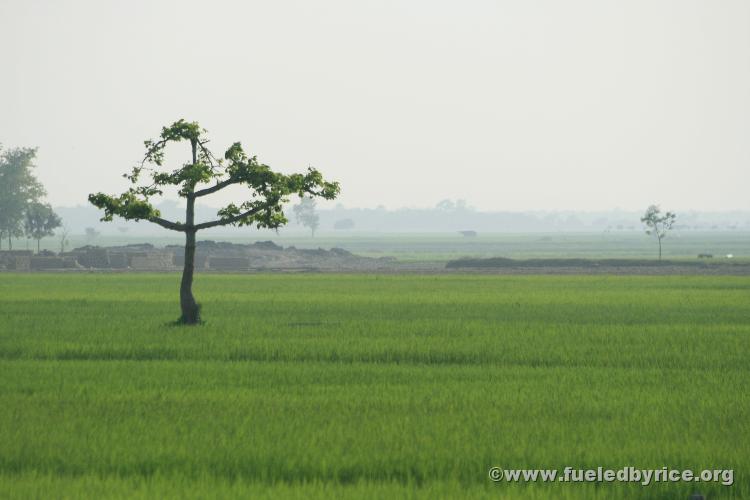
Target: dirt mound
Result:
[[209, 256], [267, 255]]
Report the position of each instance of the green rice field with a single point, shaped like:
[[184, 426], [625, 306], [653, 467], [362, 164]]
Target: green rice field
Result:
[[370, 386]]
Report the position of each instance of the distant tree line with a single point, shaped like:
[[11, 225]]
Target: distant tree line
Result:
[[22, 209]]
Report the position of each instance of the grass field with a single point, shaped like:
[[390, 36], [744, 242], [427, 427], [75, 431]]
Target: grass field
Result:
[[323, 386]]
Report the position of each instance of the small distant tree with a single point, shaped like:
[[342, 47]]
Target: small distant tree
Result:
[[91, 234], [304, 213], [445, 205], [10, 231], [19, 188], [203, 174], [41, 221], [658, 223], [64, 242], [449, 205]]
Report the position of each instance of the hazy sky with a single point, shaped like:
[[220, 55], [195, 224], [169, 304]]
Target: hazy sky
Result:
[[511, 105]]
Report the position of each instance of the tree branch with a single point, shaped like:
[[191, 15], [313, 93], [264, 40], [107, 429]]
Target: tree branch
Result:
[[174, 226], [229, 220], [151, 150], [216, 187], [209, 155]]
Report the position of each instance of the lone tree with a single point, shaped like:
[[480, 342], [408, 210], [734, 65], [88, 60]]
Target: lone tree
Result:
[[203, 175], [64, 239], [41, 221], [304, 213], [658, 224], [19, 188]]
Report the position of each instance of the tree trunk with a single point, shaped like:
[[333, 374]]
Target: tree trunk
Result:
[[10, 242], [37, 245], [190, 309], [659, 248]]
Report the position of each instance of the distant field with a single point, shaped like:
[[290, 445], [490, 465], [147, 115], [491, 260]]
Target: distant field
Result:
[[320, 386], [447, 246], [686, 245]]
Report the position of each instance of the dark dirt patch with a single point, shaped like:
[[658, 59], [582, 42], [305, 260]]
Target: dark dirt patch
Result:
[[501, 265]]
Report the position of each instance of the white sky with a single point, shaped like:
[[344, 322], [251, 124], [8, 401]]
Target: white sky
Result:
[[511, 105]]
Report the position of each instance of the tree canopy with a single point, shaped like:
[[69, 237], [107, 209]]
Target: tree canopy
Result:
[[19, 188], [263, 208], [41, 221]]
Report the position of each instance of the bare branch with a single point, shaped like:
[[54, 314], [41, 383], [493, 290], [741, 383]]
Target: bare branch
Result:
[[216, 187], [208, 154], [227, 221], [174, 226]]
